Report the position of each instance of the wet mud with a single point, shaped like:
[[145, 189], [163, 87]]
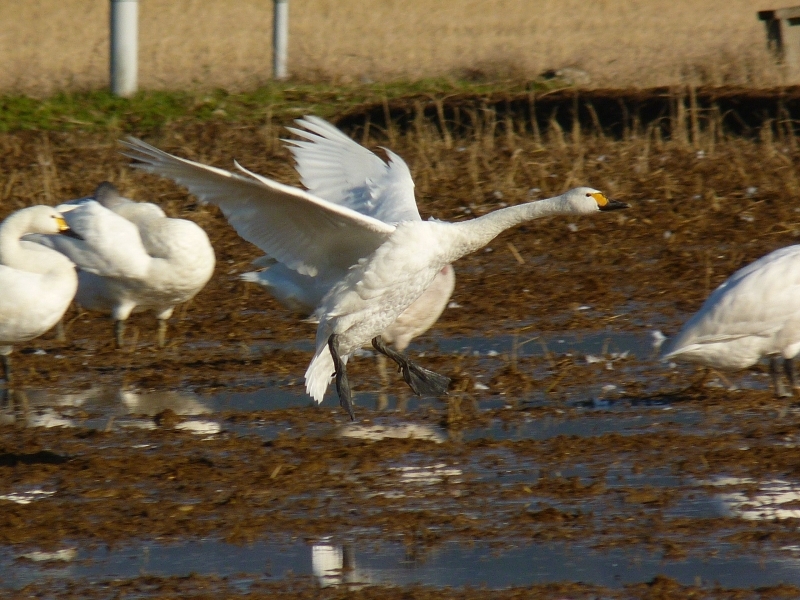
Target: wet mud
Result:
[[562, 431]]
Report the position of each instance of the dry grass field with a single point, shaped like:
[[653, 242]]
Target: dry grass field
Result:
[[49, 45]]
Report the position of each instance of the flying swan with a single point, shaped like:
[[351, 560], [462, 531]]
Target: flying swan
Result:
[[387, 266], [334, 167]]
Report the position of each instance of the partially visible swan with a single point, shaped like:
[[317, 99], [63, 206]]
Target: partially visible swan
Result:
[[133, 257], [387, 265], [754, 313], [36, 284], [333, 166]]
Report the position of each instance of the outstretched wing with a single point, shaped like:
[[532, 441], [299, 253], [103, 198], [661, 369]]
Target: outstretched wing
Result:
[[305, 233], [334, 167]]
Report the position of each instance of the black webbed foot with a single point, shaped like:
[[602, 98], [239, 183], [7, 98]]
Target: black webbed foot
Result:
[[419, 379]]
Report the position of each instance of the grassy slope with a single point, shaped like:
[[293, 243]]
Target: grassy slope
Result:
[[97, 110]]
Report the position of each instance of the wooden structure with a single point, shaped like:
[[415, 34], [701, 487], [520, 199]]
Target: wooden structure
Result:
[[783, 37]]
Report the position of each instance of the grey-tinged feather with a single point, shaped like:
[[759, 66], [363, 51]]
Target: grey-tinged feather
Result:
[[306, 233], [334, 167]]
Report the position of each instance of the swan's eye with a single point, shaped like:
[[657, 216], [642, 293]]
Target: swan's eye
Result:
[[588, 195]]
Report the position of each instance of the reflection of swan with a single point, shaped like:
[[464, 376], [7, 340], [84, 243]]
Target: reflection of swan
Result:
[[754, 313], [42, 408], [327, 563], [376, 433], [36, 284], [133, 257], [775, 499], [388, 265], [152, 403]]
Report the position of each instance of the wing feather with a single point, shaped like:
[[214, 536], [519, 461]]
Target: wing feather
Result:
[[334, 167], [306, 233]]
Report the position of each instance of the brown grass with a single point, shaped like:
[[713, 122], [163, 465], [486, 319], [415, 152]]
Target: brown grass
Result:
[[704, 204], [49, 45]]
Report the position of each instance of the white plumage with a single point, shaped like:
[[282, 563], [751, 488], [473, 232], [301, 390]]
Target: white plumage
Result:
[[133, 257], [37, 284], [334, 167], [753, 314], [387, 265]]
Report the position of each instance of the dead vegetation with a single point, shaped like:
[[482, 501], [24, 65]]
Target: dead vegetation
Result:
[[704, 204]]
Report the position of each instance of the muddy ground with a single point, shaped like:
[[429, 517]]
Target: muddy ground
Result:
[[701, 207]]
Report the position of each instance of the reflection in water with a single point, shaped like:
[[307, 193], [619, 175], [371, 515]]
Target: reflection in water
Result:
[[388, 563], [63, 555], [376, 433], [152, 403], [26, 497], [773, 499], [46, 408]]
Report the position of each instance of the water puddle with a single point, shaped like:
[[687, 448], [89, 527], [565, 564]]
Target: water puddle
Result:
[[488, 468], [591, 343], [448, 565]]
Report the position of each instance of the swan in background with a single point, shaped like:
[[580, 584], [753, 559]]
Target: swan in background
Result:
[[37, 284], [132, 257], [754, 313], [334, 167], [387, 265]]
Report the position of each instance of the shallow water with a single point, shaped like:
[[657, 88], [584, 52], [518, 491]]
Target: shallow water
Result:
[[629, 489], [450, 565]]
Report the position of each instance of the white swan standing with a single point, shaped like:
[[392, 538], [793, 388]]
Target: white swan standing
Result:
[[754, 313], [36, 284], [387, 265], [333, 166], [133, 257]]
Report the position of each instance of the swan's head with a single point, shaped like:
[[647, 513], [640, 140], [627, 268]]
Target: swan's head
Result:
[[37, 219], [588, 200], [107, 194]]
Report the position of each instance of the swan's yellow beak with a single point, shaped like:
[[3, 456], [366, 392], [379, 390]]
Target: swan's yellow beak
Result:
[[64, 229], [62, 224], [606, 204]]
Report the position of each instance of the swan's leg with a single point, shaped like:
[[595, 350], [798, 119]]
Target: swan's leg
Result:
[[342, 385], [419, 379], [777, 381], [788, 367], [162, 333], [383, 397], [7, 368], [61, 335], [119, 332], [162, 317]]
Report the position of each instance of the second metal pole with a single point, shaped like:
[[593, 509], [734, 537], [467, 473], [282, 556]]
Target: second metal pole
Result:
[[280, 39]]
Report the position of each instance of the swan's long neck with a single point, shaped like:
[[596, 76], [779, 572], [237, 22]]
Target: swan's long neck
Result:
[[18, 255], [476, 233], [11, 230]]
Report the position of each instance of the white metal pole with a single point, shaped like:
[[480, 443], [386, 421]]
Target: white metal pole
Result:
[[124, 46], [280, 38]]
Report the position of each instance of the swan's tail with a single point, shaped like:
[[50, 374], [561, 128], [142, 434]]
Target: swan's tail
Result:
[[253, 277], [319, 373]]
